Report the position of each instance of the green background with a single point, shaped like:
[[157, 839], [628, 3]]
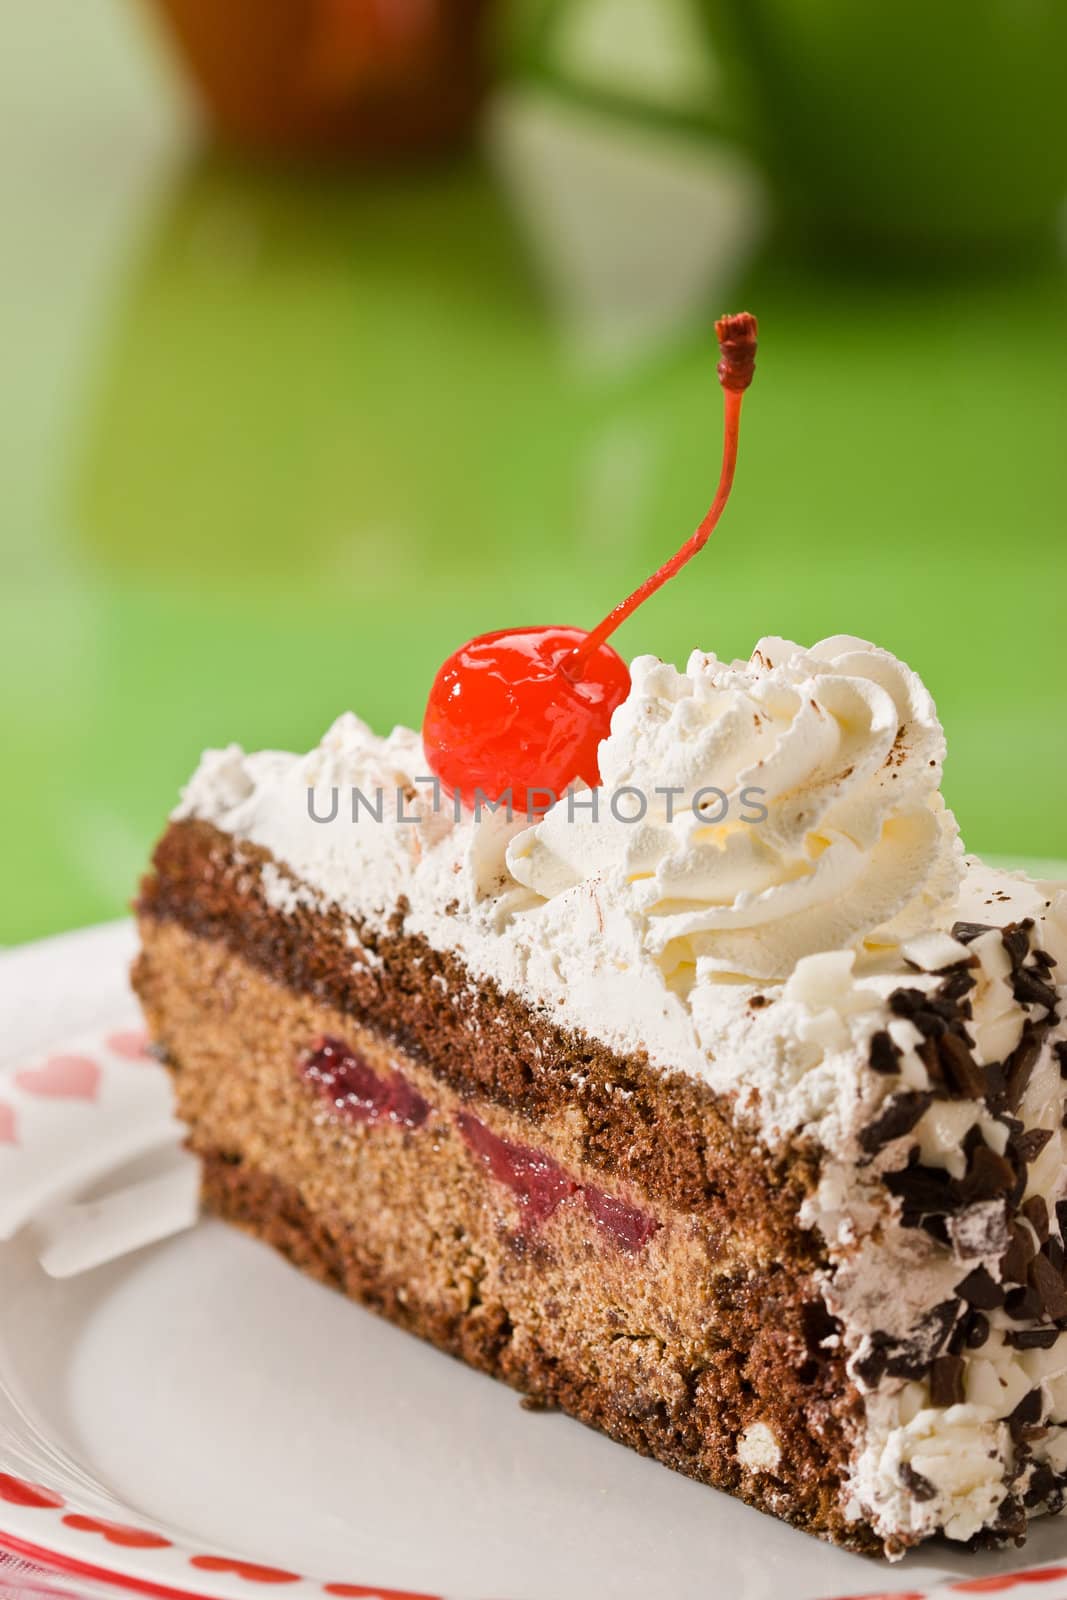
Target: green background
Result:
[[273, 445]]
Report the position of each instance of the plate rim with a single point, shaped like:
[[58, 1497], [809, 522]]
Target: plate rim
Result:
[[146, 1569], [15, 1545]]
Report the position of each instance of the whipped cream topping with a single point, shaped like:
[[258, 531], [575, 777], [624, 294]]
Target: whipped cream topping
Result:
[[789, 804], [597, 923], [761, 956]]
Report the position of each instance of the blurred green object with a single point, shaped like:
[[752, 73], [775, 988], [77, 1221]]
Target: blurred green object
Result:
[[648, 62], [930, 131], [904, 125]]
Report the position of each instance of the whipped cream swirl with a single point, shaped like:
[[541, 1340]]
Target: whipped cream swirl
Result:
[[841, 747]]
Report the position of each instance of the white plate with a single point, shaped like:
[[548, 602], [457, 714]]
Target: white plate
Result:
[[200, 1418]]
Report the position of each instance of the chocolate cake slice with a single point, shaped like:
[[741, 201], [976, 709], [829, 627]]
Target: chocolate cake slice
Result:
[[721, 1107]]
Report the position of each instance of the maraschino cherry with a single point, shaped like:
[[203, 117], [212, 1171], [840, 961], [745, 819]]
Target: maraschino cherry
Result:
[[523, 711]]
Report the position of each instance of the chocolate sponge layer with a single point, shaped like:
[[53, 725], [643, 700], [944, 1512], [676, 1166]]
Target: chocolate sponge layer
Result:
[[674, 1336]]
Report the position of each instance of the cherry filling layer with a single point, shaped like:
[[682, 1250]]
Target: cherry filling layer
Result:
[[356, 1092], [540, 1185], [622, 1223], [537, 1182]]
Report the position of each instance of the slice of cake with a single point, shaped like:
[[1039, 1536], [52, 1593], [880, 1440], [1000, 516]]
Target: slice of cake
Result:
[[722, 1106]]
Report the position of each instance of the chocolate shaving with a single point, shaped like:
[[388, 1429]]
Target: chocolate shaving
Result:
[[946, 1381], [989, 1176], [1030, 1144], [885, 1055], [919, 1009], [972, 1140], [996, 1082], [1059, 1049], [929, 1192], [1019, 1066], [1011, 1520], [980, 1289], [898, 1116], [1031, 1338], [911, 1358], [977, 1330], [1029, 988], [907, 1358], [920, 1487], [958, 983], [949, 1010], [924, 1191], [1017, 1257], [870, 1366], [1042, 1486], [967, 932], [961, 1070], [1023, 1305], [1026, 1413], [1050, 1286], [1015, 937], [930, 1057], [1036, 1213]]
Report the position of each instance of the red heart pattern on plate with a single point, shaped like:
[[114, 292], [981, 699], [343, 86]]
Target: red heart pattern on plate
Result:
[[118, 1533], [8, 1132], [1009, 1581], [358, 1591], [62, 1078], [244, 1569], [132, 1044], [897, 1594], [17, 1492]]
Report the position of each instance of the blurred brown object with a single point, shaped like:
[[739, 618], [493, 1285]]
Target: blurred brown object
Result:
[[363, 77]]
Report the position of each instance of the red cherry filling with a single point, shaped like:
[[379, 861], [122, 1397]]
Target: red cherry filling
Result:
[[540, 1184], [356, 1092], [536, 1181], [505, 715], [523, 712], [623, 1223]]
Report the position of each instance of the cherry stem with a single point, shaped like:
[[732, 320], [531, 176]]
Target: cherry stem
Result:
[[737, 343]]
